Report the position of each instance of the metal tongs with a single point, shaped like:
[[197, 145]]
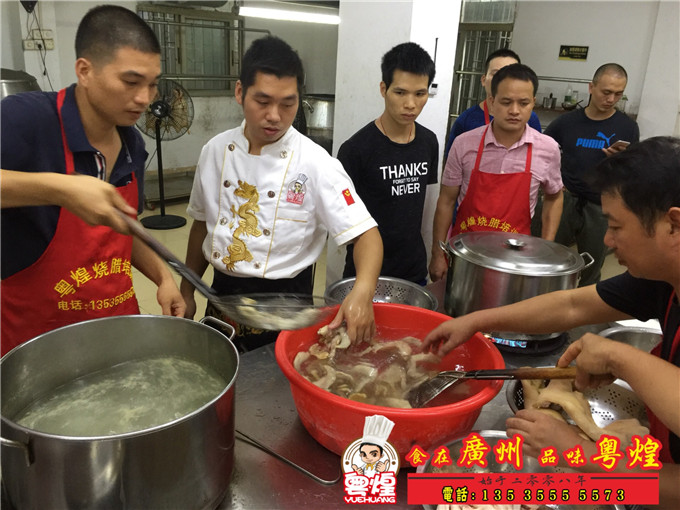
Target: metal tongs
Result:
[[260, 310], [425, 392]]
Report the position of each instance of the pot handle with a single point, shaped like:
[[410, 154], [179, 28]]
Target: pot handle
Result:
[[221, 324], [585, 255], [515, 244], [17, 444], [448, 251], [446, 248]]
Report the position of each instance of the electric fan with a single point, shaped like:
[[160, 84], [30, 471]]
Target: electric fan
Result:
[[169, 116]]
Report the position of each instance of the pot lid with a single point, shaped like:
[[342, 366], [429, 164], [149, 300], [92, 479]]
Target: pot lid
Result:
[[516, 253]]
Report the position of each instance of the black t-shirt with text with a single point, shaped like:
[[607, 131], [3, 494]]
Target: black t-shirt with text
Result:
[[391, 179]]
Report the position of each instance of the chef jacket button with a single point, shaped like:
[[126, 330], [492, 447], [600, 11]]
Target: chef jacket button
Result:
[[257, 265], [284, 154], [266, 231], [271, 194], [227, 184], [223, 221], [216, 254], [231, 147]]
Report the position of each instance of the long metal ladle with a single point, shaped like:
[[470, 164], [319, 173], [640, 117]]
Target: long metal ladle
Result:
[[425, 392], [263, 310]]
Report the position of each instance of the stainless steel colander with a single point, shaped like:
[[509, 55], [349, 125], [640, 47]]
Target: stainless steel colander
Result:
[[388, 290], [609, 403]]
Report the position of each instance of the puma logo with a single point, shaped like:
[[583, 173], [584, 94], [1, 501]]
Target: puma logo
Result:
[[599, 133], [595, 143]]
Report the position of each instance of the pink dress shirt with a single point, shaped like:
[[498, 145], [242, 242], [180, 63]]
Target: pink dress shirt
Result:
[[545, 164]]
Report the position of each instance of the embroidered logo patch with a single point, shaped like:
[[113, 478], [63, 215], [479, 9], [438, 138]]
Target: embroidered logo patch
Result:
[[348, 196], [297, 189]]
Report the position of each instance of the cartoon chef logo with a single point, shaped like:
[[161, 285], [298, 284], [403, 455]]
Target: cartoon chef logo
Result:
[[297, 189], [371, 464]]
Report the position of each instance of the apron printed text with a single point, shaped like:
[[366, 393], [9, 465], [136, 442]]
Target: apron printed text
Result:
[[81, 275]]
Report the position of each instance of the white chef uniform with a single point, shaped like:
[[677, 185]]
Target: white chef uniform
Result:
[[302, 193]]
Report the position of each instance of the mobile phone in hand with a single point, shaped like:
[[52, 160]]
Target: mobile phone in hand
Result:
[[619, 145]]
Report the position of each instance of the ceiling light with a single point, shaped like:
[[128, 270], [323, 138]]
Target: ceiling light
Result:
[[289, 15]]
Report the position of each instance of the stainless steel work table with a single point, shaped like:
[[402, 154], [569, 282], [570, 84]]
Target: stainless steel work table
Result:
[[266, 412]]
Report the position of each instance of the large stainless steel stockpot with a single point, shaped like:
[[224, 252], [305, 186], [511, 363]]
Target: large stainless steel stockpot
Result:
[[490, 269], [185, 463], [319, 110]]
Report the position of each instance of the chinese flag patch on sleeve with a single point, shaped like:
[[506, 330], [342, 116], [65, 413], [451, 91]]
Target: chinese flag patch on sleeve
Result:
[[348, 196]]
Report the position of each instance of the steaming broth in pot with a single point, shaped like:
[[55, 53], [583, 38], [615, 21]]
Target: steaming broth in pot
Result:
[[128, 397]]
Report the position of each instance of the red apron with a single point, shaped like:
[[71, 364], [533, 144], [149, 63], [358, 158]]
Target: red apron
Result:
[[487, 119], [495, 202], [85, 273], [657, 429]]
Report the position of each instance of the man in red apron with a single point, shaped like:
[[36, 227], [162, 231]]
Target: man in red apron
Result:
[[640, 191], [62, 260], [494, 172], [479, 114]]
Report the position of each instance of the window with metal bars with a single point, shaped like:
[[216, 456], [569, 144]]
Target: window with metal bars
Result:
[[485, 26], [201, 49], [477, 42]]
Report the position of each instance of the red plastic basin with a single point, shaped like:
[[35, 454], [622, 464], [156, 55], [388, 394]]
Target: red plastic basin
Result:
[[336, 422]]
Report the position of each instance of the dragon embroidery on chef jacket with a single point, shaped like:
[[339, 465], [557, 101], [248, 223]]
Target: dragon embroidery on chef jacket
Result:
[[247, 225]]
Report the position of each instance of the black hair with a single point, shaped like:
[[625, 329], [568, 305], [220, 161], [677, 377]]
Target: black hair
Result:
[[610, 68], [271, 55], [646, 176], [503, 52], [516, 71], [408, 57], [107, 28], [372, 444]]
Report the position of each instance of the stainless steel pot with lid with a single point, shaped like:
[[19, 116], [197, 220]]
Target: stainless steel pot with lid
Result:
[[491, 269], [517, 254]]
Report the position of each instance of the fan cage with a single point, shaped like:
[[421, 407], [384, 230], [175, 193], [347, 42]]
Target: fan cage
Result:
[[179, 118]]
